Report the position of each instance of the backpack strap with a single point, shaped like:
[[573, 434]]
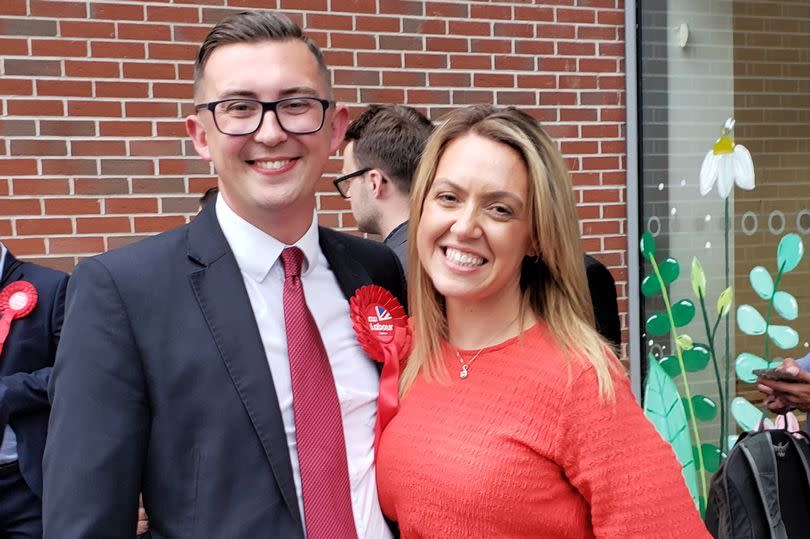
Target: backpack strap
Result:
[[758, 451], [802, 457]]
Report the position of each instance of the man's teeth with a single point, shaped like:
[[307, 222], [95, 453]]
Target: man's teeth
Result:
[[272, 165], [462, 259]]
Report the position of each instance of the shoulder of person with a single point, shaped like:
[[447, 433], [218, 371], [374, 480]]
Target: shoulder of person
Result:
[[357, 246]]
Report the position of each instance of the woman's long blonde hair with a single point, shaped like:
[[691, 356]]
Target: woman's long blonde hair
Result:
[[553, 285]]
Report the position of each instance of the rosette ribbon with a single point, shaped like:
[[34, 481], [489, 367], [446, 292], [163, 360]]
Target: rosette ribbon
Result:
[[16, 300], [382, 329]]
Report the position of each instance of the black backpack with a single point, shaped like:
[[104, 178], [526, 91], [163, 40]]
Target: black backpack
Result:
[[762, 489]]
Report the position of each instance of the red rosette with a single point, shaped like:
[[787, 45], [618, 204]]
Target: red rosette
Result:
[[382, 329], [17, 299]]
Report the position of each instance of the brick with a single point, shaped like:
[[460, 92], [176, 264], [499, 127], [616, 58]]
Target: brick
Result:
[[64, 88], [152, 185], [116, 11], [577, 16], [37, 147], [354, 6], [536, 81], [83, 167], [101, 186], [112, 167], [102, 225], [513, 29], [382, 95], [36, 68], [89, 245], [44, 227], [149, 32], [470, 61], [183, 166], [94, 108], [172, 51], [598, 65], [577, 115], [171, 129], [555, 31], [376, 24], [192, 34], [149, 71], [58, 9], [491, 11], [402, 7], [427, 97], [600, 131], [577, 81], [158, 224], [611, 18], [469, 28], [34, 107], [341, 40], [20, 206], [447, 44], [450, 78], [404, 78], [356, 77], [92, 69], [155, 147], [471, 97], [13, 7], [16, 87], [537, 47], [150, 109], [607, 33], [424, 26], [601, 98], [557, 64], [327, 21], [121, 89], [87, 29], [379, 59], [516, 97], [514, 63], [483, 80], [180, 204], [90, 148], [27, 27], [612, 82], [18, 128], [13, 47], [534, 13], [401, 43], [125, 129], [116, 242], [425, 60], [172, 14], [117, 49], [5, 225], [25, 246], [41, 186], [58, 47], [131, 205], [481, 46]]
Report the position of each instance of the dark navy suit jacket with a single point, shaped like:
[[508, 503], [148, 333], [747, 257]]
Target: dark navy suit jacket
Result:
[[26, 361], [161, 385], [603, 296]]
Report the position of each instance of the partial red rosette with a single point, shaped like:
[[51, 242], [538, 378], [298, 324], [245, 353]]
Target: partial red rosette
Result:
[[382, 329], [16, 300]]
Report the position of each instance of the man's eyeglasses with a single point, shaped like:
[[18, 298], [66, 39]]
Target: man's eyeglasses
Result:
[[342, 183], [295, 115]]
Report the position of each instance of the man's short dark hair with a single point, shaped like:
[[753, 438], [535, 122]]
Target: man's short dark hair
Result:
[[253, 27], [210, 193], [390, 138]]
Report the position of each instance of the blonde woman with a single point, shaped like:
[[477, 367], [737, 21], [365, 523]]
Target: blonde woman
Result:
[[516, 419]]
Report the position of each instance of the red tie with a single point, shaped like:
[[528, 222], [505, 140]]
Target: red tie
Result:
[[318, 424]]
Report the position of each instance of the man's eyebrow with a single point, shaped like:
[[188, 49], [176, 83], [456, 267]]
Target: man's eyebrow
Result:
[[287, 92]]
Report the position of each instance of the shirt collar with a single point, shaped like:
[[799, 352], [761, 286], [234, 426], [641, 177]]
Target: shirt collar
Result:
[[256, 251]]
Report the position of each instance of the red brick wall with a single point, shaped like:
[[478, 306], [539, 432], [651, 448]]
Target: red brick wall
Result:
[[93, 150]]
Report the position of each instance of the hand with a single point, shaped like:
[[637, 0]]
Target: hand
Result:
[[783, 396], [143, 519]]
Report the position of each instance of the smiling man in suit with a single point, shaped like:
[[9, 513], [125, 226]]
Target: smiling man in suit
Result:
[[25, 365], [214, 367]]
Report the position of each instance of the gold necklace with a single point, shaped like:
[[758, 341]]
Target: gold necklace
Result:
[[465, 365]]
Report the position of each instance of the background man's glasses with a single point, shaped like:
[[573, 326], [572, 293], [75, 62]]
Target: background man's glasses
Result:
[[342, 183], [295, 115]]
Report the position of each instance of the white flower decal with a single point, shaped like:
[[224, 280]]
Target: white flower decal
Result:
[[727, 163]]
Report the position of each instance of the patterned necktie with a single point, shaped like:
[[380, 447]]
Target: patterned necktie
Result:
[[318, 425]]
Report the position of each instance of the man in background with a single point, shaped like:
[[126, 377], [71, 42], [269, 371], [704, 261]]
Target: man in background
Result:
[[384, 145], [25, 366]]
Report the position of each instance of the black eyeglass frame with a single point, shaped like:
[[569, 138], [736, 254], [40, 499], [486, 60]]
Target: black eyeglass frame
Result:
[[337, 181], [266, 105]]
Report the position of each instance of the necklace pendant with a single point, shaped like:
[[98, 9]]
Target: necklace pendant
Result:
[[463, 372]]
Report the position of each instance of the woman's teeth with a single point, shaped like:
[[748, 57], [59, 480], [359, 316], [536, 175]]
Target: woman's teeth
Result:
[[462, 259]]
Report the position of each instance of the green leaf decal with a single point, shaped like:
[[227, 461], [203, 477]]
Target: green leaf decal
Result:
[[761, 282], [698, 278], [711, 457], [657, 325], [724, 301], [696, 358], [664, 408], [683, 312], [784, 337], [670, 366], [670, 269], [705, 408], [684, 341], [790, 252], [650, 286], [750, 321], [786, 305], [647, 245]]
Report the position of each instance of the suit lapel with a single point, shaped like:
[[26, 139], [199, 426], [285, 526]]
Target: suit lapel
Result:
[[12, 270], [222, 297], [349, 272]]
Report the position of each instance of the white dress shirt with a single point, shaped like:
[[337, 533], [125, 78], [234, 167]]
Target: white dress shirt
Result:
[[356, 377]]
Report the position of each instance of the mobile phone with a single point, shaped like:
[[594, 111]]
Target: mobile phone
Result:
[[776, 374]]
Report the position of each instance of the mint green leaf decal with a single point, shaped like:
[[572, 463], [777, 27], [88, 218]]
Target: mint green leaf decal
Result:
[[650, 286], [761, 282], [663, 407], [684, 341], [790, 252], [724, 301], [746, 362], [657, 325], [696, 358], [698, 278], [784, 337], [786, 305], [750, 321], [647, 245], [746, 414], [669, 269], [683, 312], [671, 366]]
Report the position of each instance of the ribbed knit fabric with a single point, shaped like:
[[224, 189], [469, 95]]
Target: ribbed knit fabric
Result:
[[523, 448]]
